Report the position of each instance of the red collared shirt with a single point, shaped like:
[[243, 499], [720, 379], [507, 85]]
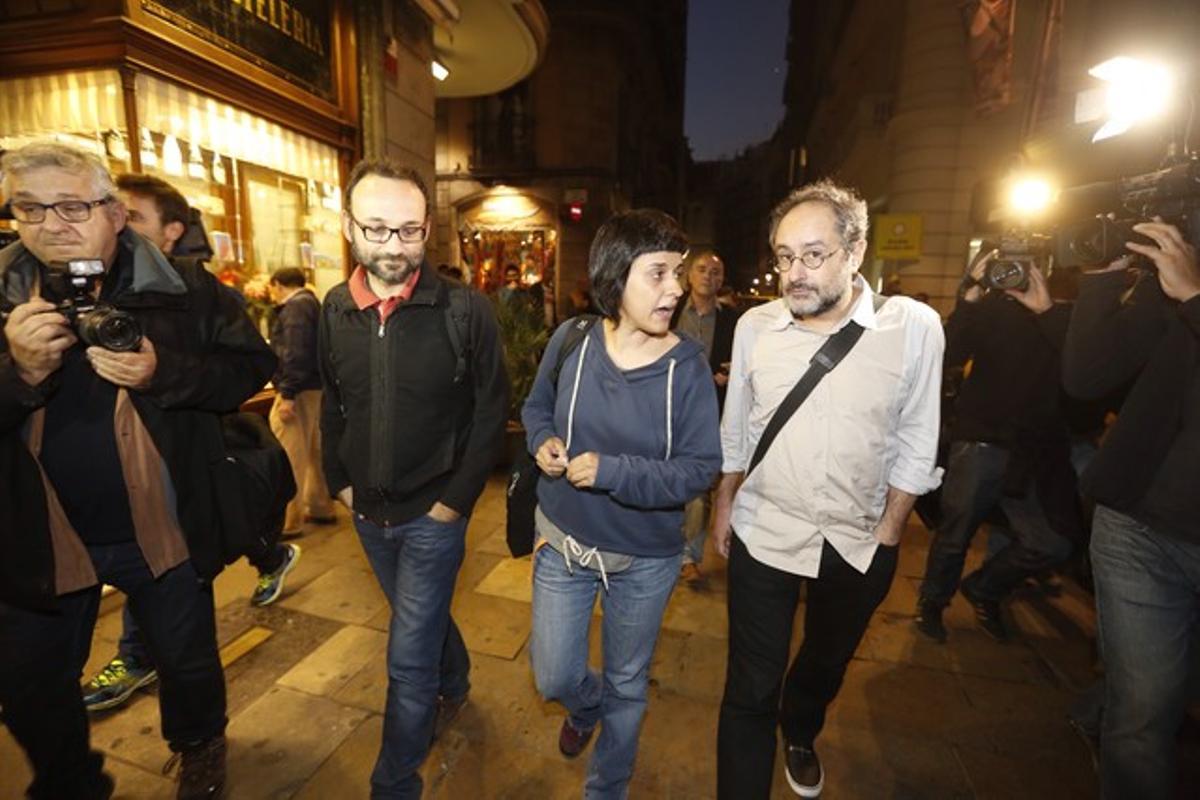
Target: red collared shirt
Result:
[[365, 297]]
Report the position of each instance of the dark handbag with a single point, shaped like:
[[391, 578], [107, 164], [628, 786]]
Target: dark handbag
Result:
[[822, 363], [523, 478], [252, 485]]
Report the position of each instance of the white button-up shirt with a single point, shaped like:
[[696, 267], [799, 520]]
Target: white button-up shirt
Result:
[[870, 423]]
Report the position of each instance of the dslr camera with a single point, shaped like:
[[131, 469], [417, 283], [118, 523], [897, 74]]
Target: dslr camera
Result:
[[1172, 194], [1018, 253], [97, 324]]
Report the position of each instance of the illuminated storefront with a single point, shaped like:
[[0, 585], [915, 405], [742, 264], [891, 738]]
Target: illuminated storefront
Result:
[[506, 227], [242, 111]]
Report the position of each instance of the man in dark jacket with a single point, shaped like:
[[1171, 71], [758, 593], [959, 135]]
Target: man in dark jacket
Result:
[[699, 315], [158, 212], [1009, 451], [1145, 543], [105, 462], [297, 409], [412, 422]]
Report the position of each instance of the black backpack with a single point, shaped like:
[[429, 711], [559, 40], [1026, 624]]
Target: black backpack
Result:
[[523, 478], [253, 484]]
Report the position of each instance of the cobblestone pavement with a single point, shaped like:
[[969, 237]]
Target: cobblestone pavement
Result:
[[307, 682]]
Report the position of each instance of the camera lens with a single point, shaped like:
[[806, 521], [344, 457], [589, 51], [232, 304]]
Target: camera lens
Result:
[[1007, 275], [111, 329]]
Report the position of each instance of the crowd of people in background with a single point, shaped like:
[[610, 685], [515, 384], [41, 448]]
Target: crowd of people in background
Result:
[[798, 434]]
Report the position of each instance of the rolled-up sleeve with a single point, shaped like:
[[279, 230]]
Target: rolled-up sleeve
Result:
[[915, 469]]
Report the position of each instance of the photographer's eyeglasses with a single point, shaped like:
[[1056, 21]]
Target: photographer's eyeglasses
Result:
[[67, 210], [811, 259], [380, 234]]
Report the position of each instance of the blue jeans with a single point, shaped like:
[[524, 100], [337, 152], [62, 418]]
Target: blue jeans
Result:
[[1148, 609], [973, 489], [416, 564], [633, 611], [42, 654]]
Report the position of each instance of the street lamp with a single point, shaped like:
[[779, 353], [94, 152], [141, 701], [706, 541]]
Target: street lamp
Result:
[[1134, 91]]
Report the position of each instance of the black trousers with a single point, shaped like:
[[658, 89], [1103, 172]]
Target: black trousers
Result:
[[762, 610], [42, 655]]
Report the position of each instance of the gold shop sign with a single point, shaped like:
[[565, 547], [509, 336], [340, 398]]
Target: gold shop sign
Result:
[[290, 38]]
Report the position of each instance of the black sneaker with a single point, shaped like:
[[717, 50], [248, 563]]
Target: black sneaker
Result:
[[929, 621], [987, 611], [803, 771], [447, 710], [201, 770]]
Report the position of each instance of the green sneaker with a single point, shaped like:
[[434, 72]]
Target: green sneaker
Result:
[[270, 584], [114, 684]]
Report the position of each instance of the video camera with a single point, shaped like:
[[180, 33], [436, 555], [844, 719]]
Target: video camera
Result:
[[1017, 253], [1172, 193], [97, 324]]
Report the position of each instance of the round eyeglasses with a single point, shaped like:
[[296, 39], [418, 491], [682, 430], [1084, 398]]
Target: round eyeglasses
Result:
[[67, 210], [811, 259]]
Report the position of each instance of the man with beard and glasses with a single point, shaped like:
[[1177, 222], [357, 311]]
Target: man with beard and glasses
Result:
[[829, 500], [412, 421]]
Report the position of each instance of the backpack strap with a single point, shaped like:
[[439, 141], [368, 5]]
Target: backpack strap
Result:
[[576, 332], [458, 326]]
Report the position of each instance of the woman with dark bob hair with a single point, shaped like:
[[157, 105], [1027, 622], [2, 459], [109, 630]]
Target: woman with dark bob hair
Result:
[[626, 437]]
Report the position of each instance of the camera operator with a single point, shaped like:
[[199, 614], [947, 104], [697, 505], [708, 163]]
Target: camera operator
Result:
[[104, 471], [1009, 446], [1145, 544]]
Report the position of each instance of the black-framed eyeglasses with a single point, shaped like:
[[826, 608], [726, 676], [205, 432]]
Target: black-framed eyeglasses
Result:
[[379, 234], [811, 259], [67, 210]]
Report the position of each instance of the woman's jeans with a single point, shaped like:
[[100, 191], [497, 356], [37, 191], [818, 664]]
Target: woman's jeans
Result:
[[616, 700]]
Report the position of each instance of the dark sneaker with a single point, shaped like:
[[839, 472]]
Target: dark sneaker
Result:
[[929, 621], [803, 771], [270, 585], [201, 770], [447, 710], [571, 740], [987, 611], [114, 684]]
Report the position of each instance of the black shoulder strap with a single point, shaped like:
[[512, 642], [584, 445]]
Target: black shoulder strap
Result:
[[458, 326], [578, 328], [833, 351]]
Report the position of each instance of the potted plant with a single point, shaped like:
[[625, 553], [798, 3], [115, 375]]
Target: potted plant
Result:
[[524, 336]]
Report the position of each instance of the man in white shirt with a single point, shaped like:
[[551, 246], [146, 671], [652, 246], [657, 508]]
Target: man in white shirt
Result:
[[831, 497]]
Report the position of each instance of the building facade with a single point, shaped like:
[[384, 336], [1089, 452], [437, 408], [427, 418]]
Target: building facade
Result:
[[526, 175]]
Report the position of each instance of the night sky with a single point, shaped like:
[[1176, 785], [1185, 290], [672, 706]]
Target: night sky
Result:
[[735, 72]]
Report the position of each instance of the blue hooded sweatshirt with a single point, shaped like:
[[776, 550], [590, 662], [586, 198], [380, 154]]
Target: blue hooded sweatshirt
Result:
[[648, 468]]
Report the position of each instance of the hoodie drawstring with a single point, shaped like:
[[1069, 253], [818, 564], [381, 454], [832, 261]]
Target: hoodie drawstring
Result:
[[584, 556]]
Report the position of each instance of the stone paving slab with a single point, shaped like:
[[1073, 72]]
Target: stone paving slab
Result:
[[511, 578], [328, 669], [495, 626], [347, 593], [278, 743]]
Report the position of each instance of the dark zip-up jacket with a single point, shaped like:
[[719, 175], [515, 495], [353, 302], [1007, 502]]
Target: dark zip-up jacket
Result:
[[395, 425], [210, 360], [1150, 459], [722, 344], [294, 340]]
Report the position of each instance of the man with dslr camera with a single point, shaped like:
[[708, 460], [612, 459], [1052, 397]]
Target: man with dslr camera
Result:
[[1009, 442], [105, 462], [1145, 543]]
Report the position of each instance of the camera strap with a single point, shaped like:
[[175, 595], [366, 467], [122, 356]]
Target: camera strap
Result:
[[821, 364]]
